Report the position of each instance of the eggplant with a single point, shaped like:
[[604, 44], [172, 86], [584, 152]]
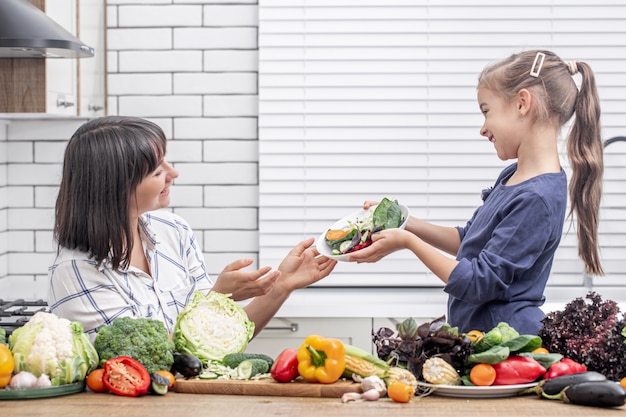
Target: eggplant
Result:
[[187, 365], [553, 387], [595, 393]]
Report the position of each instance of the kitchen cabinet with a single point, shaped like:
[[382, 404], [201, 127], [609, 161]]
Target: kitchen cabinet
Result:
[[61, 86], [284, 332]]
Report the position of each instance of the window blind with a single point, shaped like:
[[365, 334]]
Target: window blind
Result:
[[360, 100]]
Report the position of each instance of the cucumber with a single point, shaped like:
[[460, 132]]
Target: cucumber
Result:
[[232, 360], [252, 367]]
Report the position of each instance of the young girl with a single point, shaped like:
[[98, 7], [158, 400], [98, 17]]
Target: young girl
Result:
[[504, 253], [119, 256]]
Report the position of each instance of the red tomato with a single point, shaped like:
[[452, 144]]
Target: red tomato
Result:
[[125, 376]]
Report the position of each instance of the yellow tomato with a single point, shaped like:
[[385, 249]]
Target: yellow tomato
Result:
[[7, 364], [474, 335], [541, 350]]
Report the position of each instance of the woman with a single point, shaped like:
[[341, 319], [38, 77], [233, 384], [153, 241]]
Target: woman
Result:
[[503, 255], [119, 255]]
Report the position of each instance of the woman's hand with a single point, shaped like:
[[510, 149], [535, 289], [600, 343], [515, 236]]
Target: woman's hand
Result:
[[383, 243], [245, 284], [302, 266]]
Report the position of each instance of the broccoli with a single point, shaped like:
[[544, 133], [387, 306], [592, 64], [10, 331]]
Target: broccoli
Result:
[[145, 340]]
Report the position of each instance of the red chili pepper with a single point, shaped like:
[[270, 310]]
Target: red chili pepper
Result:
[[518, 370], [125, 376], [285, 367], [565, 366]]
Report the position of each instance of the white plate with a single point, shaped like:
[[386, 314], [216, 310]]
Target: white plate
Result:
[[467, 391], [325, 249]]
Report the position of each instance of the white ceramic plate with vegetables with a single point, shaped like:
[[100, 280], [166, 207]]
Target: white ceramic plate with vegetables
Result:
[[353, 232], [466, 391]]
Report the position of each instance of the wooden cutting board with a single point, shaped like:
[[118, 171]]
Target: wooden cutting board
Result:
[[265, 387]]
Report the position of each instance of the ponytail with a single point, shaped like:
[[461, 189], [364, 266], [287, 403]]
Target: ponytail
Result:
[[585, 153]]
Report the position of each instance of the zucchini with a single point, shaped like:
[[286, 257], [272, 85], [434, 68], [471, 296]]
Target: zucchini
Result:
[[249, 368], [232, 360], [595, 393]]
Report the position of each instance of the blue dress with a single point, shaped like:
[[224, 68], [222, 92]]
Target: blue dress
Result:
[[506, 254]]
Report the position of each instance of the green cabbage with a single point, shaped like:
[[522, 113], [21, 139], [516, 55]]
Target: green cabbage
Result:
[[54, 346], [212, 326]]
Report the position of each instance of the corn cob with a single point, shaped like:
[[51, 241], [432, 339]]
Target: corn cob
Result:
[[438, 371], [397, 374], [363, 364]]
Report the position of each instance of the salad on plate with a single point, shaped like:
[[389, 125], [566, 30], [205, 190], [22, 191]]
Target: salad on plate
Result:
[[354, 232]]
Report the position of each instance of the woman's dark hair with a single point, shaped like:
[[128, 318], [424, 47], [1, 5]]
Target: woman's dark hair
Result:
[[105, 160], [550, 80]]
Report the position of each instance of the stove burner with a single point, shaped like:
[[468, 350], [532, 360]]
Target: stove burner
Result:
[[16, 313]]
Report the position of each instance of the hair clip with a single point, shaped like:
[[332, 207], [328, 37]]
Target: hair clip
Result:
[[536, 68]]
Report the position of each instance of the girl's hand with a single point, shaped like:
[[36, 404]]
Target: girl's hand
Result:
[[383, 243], [245, 284], [302, 266]]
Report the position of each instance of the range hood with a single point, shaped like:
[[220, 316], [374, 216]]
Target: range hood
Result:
[[27, 32]]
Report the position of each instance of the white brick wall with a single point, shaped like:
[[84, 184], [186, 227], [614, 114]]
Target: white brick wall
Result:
[[190, 66]]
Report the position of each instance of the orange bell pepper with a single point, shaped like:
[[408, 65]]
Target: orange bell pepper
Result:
[[321, 359]]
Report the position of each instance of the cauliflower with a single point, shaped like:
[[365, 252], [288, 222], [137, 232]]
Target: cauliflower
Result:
[[53, 346], [145, 340]]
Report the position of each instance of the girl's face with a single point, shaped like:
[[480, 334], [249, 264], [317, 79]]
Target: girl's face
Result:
[[153, 192], [502, 123]]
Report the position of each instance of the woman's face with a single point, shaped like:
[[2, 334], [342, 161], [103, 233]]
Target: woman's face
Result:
[[153, 192], [501, 124]]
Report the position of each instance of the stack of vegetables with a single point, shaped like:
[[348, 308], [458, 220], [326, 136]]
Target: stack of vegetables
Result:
[[437, 354], [47, 351]]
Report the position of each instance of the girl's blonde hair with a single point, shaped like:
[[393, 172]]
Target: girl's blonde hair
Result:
[[550, 80]]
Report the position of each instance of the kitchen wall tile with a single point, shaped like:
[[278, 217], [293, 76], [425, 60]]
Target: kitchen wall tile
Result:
[[215, 83], [231, 105], [231, 196], [159, 15], [122, 2], [112, 63], [215, 38], [160, 106], [139, 39], [21, 241], [217, 1], [44, 241], [34, 174], [216, 128], [20, 196], [186, 195], [19, 152], [46, 196], [217, 173], [231, 151], [239, 61], [216, 261], [50, 152], [232, 240], [184, 151], [30, 219], [4, 248], [220, 218], [160, 61], [28, 263], [132, 84], [231, 15], [43, 129]]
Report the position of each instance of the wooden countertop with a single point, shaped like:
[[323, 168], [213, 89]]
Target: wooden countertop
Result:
[[87, 404]]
